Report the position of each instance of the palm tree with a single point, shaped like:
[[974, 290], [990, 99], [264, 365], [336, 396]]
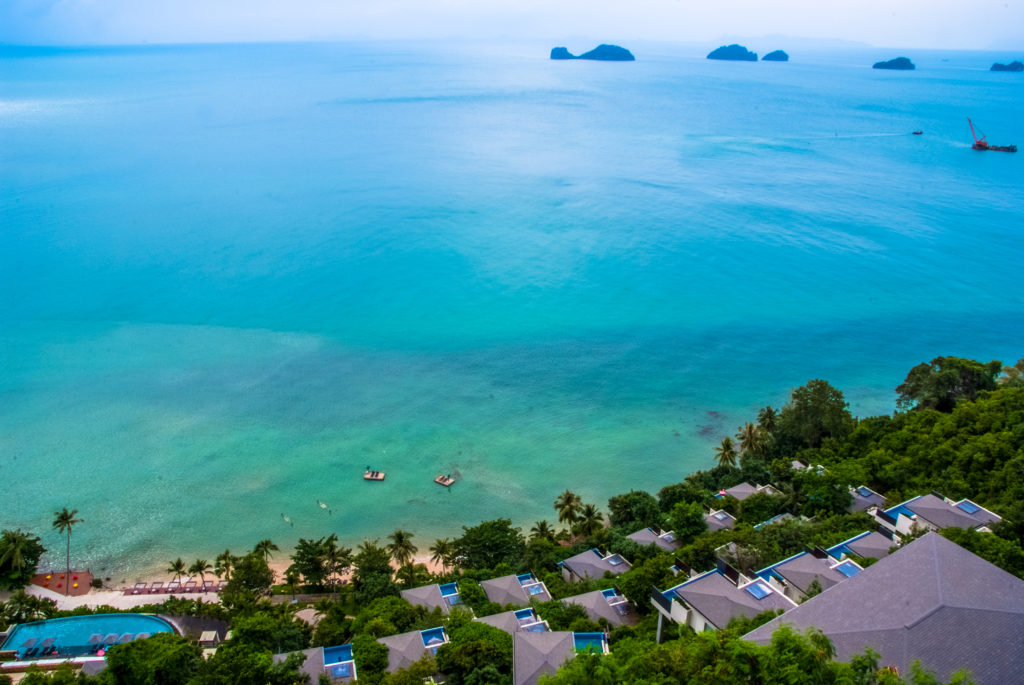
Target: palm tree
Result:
[[200, 566], [542, 530], [401, 548], [767, 419], [178, 568], [442, 551], [22, 607], [223, 564], [63, 521], [264, 548], [751, 439], [14, 544], [568, 506], [292, 576], [725, 453], [591, 520], [337, 558]]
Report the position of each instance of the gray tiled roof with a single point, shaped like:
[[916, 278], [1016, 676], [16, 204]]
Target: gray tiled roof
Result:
[[597, 607], [647, 536], [945, 515], [714, 523], [803, 570], [589, 565], [536, 653], [718, 600], [931, 600], [403, 650], [506, 621], [507, 590], [741, 491], [313, 666], [871, 546], [428, 596]]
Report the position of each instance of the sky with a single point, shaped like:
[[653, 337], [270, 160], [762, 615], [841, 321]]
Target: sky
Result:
[[946, 24]]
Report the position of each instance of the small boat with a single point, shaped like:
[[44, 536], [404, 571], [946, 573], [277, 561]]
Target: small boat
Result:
[[373, 475], [917, 133], [444, 480], [982, 144]]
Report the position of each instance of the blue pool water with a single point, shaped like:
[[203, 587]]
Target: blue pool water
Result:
[[72, 634], [334, 655], [449, 589], [433, 638], [231, 276], [589, 642]]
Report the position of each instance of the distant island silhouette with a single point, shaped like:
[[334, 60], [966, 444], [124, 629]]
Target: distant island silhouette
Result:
[[901, 63], [602, 53], [1012, 66], [776, 56], [734, 52]]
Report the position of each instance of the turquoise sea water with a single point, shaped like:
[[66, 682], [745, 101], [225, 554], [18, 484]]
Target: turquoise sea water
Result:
[[232, 277]]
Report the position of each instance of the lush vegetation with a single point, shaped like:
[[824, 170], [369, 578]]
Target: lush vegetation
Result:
[[960, 431]]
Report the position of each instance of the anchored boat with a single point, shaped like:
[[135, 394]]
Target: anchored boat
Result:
[[982, 144]]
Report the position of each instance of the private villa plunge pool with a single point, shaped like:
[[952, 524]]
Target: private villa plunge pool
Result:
[[76, 636]]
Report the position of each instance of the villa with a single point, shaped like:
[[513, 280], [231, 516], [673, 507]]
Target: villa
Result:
[[865, 498], [407, 648], [934, 512], [537, 654], [666, 540], [592, 564], [710, 600], [931, 600], [607, 604], [794, 576], [442, 597], [719, 519], [334, 662], [514, 621], [869, 545], [745, 490], [515, 589]]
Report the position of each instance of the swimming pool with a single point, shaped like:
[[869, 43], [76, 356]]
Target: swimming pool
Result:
[[80, 635]]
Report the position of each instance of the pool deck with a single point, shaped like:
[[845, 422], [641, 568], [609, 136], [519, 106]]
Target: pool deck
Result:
[[113, 598]]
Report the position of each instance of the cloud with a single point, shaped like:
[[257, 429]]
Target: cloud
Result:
[[909, 23]]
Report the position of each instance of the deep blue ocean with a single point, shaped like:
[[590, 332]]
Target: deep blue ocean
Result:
[[232, 277]]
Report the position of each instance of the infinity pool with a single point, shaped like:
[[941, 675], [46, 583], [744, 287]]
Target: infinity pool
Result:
[[80, 635]]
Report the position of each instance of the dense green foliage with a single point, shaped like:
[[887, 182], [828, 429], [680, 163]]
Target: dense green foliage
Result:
[[19, 556]]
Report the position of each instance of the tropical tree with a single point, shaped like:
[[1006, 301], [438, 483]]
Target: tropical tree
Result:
[[1013, 376], [62, 522], [19, 555], [441, 552], [590, 521], [725, 454], [401, 547], [223, 564], [568, 506], [200, 566], [292, 577], [22, 607], [751, 439], [264, 548], [337, 558], [542, 530], [178, 568], [767, 419]]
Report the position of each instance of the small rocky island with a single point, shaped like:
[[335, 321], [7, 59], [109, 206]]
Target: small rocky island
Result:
[[603, 53], [900, 63], [734, 52], [776, 56], [1012, 66]]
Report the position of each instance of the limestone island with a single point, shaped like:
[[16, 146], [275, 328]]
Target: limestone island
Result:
[[776, 56], [734, 53], [1012, 66], [602, 53], [901, 63]]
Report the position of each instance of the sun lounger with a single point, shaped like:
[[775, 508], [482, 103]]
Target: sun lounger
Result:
[[210, 586], [173, 586], [221, 585], [110, 639], [142, 636], [157, 588], [29, 646], [190, 586], [127, 637], [46, 646]]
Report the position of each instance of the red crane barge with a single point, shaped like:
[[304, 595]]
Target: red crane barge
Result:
[[982, 144]]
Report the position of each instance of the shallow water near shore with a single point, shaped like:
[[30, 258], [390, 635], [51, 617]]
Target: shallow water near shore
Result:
[[232, 277]]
